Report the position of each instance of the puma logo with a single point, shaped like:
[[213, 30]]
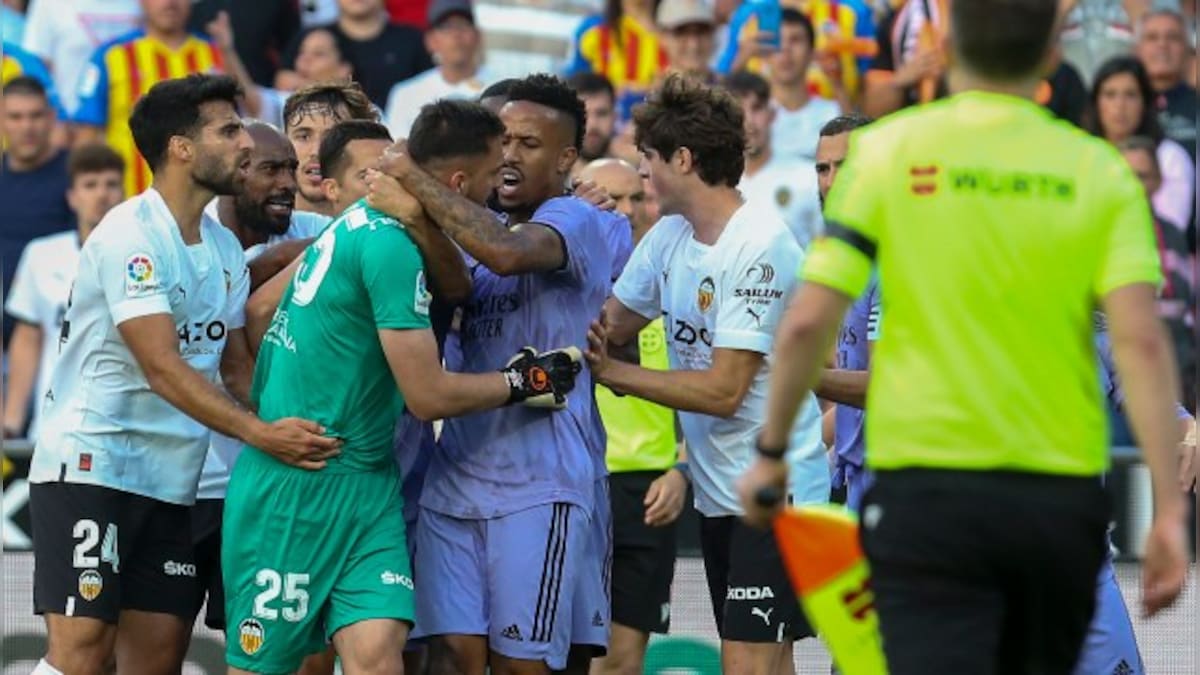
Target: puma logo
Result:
[[756, 315], [766, 616]]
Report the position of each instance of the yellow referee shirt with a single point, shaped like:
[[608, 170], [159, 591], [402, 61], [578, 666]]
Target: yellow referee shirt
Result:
[[995, 229]]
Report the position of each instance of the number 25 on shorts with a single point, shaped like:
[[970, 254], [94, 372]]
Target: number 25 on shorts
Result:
[[292, 586]]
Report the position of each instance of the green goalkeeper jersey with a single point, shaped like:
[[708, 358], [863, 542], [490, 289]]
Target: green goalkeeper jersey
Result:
[[321, 358]]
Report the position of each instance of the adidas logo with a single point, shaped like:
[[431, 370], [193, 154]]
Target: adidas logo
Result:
[[512, 633], [1123, 668], [597, 620]]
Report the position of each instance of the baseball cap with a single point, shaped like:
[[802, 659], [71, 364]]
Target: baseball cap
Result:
[[675, 13], [439, 10]]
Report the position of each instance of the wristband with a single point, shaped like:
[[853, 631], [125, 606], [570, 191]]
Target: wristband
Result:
[[683, 468], [775, 453]]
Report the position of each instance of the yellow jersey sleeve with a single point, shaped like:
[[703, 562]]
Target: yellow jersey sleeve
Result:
[[842, 257], [1130, 255]]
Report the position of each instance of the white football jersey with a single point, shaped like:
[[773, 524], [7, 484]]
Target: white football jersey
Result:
[[38, 296], [223, 450], [794, 133], [730, 295], [101, 422], [790, 187]]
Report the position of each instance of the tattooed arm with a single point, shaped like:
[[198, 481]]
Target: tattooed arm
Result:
[[525, 248]]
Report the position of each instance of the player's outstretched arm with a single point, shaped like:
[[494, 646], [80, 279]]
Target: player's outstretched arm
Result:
[[431, 393], [1146, 367], [155, 345], [260, 308], [525, 248]]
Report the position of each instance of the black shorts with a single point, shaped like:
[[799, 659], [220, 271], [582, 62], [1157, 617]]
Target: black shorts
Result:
[[751, 595], [643, 562], [983, 572], [206, 539], [98, 551]]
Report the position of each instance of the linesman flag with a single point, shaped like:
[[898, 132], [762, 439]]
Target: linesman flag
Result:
[[826, 565]]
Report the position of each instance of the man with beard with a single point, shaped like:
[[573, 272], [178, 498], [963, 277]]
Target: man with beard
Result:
[[155, 314], [599, 100], [260, 216], [519, 483]]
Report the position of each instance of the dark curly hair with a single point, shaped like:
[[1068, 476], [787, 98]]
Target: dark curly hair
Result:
[[683, 113], [552, 92]]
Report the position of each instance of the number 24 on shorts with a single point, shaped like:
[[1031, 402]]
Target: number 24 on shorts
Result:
[[291, 586]]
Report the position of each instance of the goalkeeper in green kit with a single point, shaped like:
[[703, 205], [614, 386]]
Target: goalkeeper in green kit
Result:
[[317, 551]]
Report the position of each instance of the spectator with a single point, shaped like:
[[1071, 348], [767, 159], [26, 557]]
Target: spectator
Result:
[[1122, 105], [453, 39], [321, 58], [1064, 92], [42, 284], [909, 66], [689, 37], [622, 45], [1162, 49], [65, 34], [261, 31], [1095, 31], [34, 186], [1176, 303], [17, 62], [844, 46], [381, 54], [799, 115], [599, 100], [121, 71], [787, 184]]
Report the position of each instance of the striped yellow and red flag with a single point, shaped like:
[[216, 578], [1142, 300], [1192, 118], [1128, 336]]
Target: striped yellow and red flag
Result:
[[825, 562]]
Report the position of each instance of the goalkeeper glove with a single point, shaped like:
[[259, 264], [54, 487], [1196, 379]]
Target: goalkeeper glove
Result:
[[542, 380]]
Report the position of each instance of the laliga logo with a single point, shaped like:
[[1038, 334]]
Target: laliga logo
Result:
[[140, 268]]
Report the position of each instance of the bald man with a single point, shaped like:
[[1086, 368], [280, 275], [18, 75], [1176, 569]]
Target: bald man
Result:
[[272, 232], [625, 187]]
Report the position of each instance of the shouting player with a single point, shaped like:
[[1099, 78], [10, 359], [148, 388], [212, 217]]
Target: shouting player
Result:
[[504, 545], [155, 312], [717, 268], [315, 555]]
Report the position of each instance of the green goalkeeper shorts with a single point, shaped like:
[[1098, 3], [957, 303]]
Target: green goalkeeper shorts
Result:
[[306, 553]]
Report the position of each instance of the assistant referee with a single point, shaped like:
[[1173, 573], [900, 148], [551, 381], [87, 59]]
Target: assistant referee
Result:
[[996, 230]]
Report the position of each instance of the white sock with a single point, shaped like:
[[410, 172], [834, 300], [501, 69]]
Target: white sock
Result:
[[43, 668]]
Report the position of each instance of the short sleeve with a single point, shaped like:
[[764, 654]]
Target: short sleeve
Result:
[[394, 276], [92, 90], [239, 291], [135, 274], [874, 313], [1129, 254], [22, 303], [754, 293], [620, 241], [638, 287], [843, 256], [573, 220]]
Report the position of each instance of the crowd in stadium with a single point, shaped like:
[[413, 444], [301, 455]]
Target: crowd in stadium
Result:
[[579, 312]]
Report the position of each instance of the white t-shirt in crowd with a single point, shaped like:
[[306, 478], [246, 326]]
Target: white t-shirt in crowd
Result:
[[223, 450], [67, 32], [101, 422], [790, 187], [794, 133], [38, 296], [406, 98], [730, 295]]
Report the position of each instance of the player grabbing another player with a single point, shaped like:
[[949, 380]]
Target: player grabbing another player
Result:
[[504, 539], [717, 269], [311, 555], [155, 312], [986, 432]]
